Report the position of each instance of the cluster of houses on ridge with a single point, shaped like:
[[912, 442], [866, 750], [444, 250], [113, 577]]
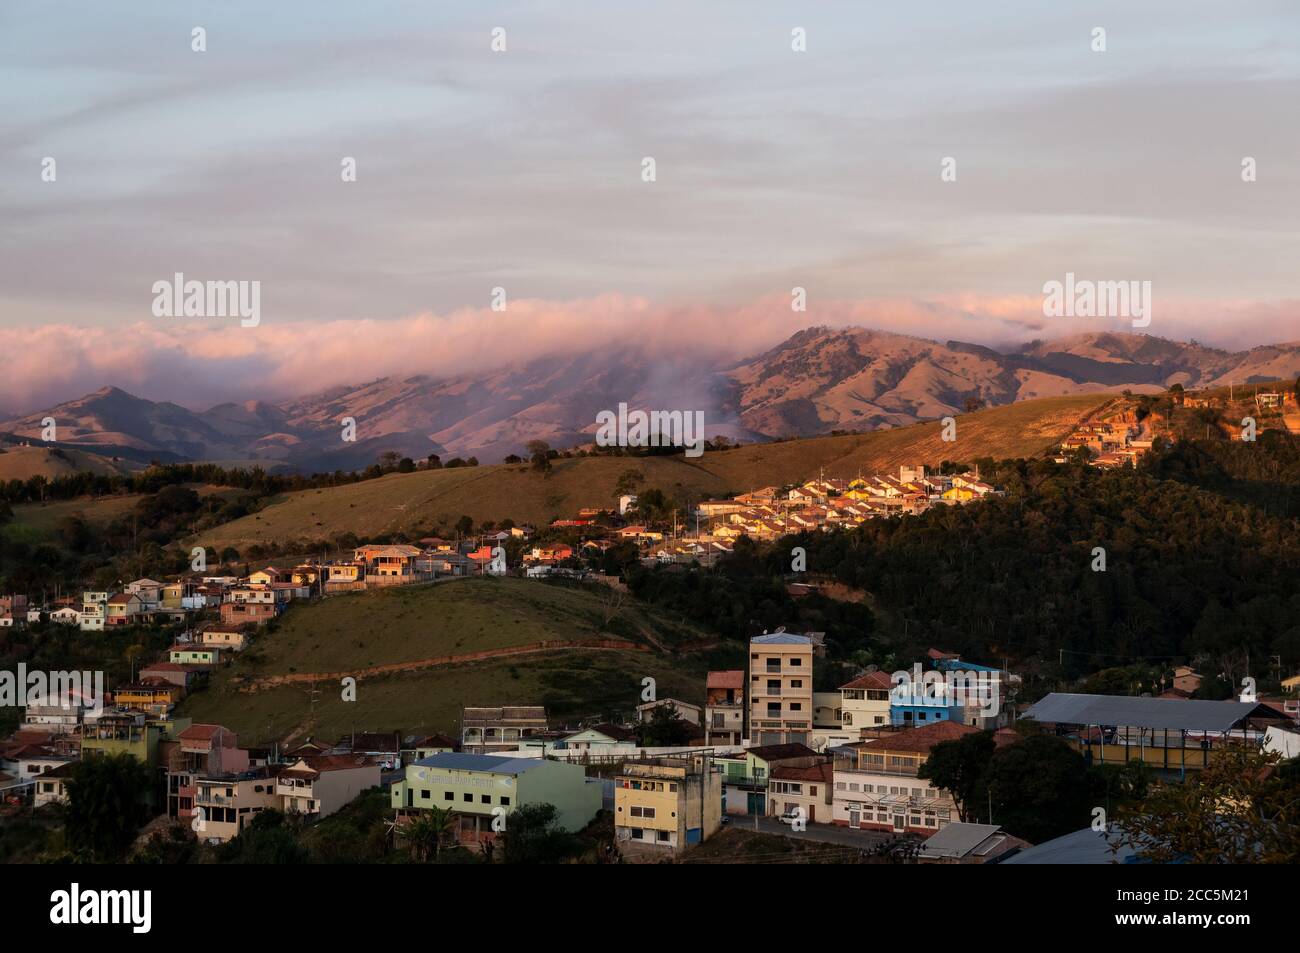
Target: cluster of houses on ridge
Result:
[[1113, 443], [264, 593], [825, 504]]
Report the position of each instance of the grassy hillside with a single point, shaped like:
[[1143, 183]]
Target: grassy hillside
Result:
[[23, 463], [352, 632], [37, 522], [437, 498]]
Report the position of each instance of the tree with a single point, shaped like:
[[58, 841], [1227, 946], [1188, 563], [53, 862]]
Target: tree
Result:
[[1243, 808], [424, 834], [406, 465], [665, 729], [107, 796], [175, 845], [1040, 788], [960, 767], [465, 525], [539, 452], [628, 481], [532, 837], [388, 460], [269, 838]]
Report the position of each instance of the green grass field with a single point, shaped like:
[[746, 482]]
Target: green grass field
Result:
[[356, 631], [414, 501], [404, 624]]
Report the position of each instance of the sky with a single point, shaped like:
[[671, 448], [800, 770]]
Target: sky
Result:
[[522, 169]]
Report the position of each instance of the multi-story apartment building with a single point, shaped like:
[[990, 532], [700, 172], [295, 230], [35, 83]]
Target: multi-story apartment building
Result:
[[780, 688], [94, 611], [667, 804], [724, 708], [486, 730], [205, 751], [877, 787]]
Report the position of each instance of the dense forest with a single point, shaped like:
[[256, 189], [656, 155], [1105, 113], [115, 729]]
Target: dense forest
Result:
[[1200, 563]]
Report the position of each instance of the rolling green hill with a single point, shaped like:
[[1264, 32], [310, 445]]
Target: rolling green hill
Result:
[[416, 501], [269, 691]]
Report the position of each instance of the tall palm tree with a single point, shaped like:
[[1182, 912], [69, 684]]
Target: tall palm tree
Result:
[[426, 832]]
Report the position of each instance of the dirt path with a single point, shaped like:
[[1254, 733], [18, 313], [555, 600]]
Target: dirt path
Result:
[[440, 661]]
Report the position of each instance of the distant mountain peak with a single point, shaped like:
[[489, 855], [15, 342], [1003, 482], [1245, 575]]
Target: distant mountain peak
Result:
[[817, 380]]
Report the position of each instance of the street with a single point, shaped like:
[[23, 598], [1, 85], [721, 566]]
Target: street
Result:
[[825, 833]]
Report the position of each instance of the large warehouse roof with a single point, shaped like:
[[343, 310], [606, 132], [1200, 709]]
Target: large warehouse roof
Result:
[[1173, 714]]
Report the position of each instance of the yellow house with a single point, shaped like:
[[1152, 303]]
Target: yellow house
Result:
[[345, 572], [226, 637], [157, 698], [305, 574], [1291, 685], [667, 804], [961, 494]]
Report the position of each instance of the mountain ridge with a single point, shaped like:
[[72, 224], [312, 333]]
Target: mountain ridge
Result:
[[817, 381]]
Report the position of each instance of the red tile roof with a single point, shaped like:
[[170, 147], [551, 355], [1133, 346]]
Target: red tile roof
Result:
[[817, 772], [919, 739], [876, 680], [729, 679]]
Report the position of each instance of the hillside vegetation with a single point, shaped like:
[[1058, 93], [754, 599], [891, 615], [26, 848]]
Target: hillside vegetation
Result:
[[412, 625], [417, 501], [23, 463]]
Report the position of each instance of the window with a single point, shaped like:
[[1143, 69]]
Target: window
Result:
[[638, 833], [796, 661], [796, 683], [448, 796], [796, 706], [425, 794], [467, 798], [665, 836], [485, 798], [505, 802]]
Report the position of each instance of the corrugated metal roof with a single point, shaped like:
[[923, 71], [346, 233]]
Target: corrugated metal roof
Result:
[[781, 638], [1123, 711], [457, 761], [957, 839]]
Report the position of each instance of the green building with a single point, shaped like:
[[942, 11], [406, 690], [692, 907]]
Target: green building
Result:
[[483, 790]]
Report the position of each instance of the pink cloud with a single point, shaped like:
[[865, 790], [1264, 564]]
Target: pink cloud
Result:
[[199, 363]]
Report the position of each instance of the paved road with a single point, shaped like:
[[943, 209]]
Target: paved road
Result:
[[825, 833]]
